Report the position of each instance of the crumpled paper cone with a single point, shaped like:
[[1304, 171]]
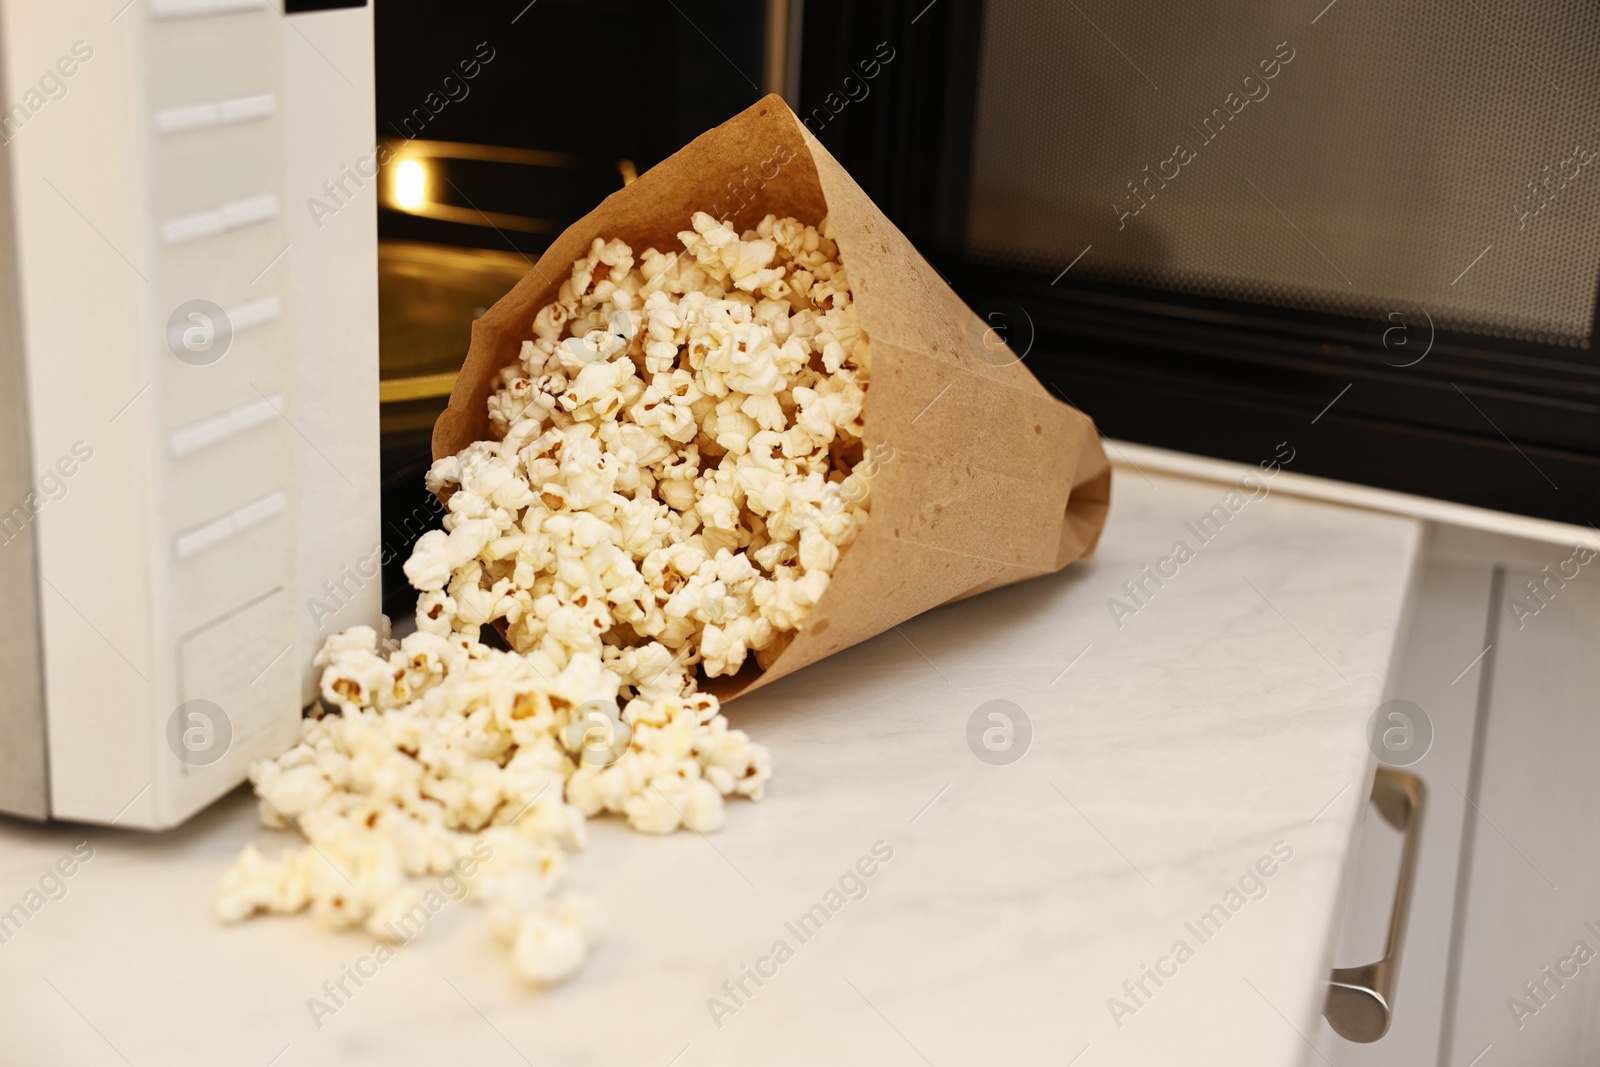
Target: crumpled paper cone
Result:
[[983, 477]]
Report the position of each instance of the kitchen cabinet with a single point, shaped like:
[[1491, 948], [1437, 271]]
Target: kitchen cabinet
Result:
[[1499, 652], [1525, 989]]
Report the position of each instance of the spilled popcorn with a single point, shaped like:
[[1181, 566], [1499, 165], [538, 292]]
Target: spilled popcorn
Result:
[[679, 467]]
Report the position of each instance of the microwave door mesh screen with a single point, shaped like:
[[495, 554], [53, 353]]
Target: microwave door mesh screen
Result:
[[1346, 159]]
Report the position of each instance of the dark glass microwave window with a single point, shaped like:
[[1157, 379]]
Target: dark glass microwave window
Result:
[[1377, 157]]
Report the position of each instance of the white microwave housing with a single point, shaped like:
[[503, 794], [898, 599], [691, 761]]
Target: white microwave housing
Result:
[[188, 393]]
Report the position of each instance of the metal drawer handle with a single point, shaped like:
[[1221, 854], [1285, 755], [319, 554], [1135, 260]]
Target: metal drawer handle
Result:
[[1360, 1002]]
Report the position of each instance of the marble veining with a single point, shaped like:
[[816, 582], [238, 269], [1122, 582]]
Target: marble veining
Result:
[[1173, 749]]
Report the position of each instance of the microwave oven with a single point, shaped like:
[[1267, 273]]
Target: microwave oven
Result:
[[188, 390]]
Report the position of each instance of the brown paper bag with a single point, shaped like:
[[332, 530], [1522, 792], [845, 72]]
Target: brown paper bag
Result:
[[991, 480]]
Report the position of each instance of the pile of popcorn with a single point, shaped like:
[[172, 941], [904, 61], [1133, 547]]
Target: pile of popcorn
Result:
[[678, 468]]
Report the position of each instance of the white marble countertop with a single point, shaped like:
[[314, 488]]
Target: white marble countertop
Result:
[[1167, 759]]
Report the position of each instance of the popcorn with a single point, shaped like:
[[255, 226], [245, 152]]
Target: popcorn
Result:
[[679, 468], [445, 749], [692, 408]]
